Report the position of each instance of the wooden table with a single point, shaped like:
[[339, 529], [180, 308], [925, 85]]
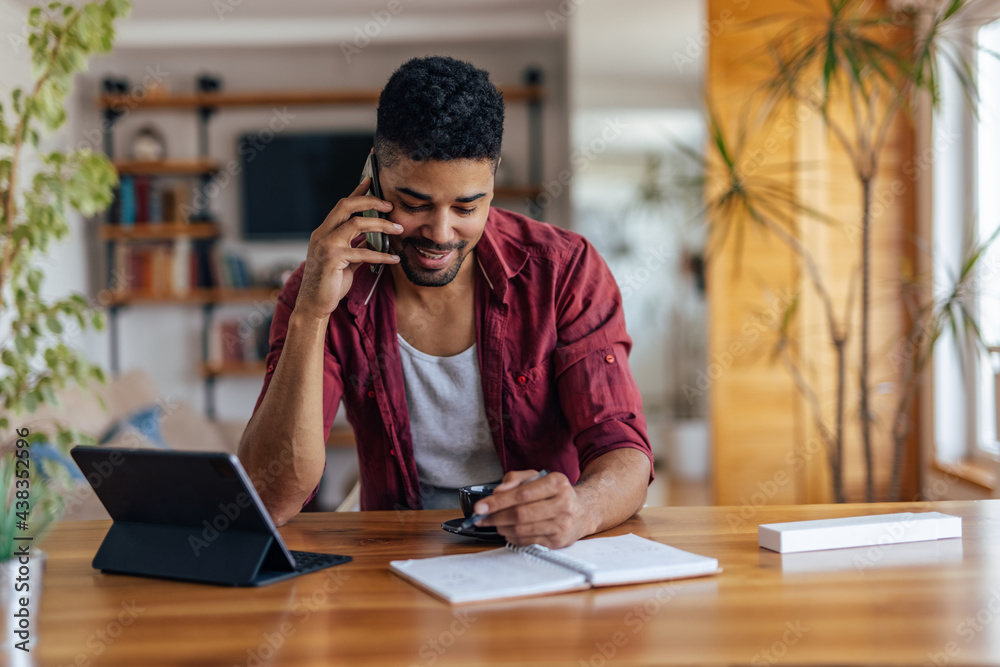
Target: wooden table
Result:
[[920, 603]]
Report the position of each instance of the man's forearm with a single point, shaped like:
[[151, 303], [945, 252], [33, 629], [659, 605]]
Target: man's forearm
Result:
[[282, 447], [613, 487]]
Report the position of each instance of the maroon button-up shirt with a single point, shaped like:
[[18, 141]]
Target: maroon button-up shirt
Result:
[[552, 350]]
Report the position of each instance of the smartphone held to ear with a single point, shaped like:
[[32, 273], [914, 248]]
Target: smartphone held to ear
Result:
[[377, 241]]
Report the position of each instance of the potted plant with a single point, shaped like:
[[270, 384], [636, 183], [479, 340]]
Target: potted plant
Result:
[[837, 64], [37, 185]]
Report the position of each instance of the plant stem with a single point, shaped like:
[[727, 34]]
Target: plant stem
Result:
[[831, 440], [865, 408], [901, 429], [838, 337], [837, 473]]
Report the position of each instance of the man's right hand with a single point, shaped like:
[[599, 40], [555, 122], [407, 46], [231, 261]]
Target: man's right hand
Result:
[[331, 260]]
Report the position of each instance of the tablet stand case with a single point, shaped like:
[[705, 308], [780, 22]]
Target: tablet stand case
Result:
[[235, 558], [192, 516]]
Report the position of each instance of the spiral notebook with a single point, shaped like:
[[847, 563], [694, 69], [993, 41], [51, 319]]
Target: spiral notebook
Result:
[[536, 570]]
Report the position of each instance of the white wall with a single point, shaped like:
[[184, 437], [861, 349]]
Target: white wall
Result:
[[166, 339], [14, 54]]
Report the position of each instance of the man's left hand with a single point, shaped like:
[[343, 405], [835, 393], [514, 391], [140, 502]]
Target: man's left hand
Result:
[[547, 511]]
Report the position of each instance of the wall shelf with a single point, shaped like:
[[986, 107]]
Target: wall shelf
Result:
[[179, 167], [181, 101], [217, 369], [198, 296], [158, 231]]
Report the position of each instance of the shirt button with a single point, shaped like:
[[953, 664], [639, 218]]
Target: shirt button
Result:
[[522, 379], [270, 368], [610, 358], [392, 452], [371, 393]]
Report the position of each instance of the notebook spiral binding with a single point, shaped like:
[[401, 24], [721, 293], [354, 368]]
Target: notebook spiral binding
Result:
[[549, 556]]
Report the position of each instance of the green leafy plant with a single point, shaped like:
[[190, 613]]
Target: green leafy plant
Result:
[[952, 312], [838, 64], [37, 186]]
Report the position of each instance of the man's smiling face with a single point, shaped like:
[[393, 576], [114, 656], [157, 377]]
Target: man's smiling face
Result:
[[442, 206]]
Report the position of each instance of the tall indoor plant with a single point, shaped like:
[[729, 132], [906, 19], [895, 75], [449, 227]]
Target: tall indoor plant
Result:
[[858, 66]]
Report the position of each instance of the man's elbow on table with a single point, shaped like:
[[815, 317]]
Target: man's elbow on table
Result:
[[283, 515]]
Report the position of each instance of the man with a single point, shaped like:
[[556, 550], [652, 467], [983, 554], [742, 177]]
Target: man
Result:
[[487, 345]]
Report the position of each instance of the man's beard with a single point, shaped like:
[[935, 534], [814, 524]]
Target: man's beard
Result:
[[429, 277]]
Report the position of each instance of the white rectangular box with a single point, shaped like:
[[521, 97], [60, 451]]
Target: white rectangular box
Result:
[[858, 531]]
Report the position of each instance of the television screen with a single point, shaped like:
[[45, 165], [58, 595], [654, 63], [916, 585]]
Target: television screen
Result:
[[292, 182]]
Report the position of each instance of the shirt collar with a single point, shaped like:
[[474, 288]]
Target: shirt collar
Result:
[[500, 258], [366, 283]]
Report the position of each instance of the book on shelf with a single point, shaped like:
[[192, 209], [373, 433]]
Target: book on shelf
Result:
[[237, 340], [510, 572], [168, 205], [180, 270], [201, 273], [143, 199], [155, 205], [114, 211], [141, 185], [163, 267], [177, 202], [127, 207], [229, 270]]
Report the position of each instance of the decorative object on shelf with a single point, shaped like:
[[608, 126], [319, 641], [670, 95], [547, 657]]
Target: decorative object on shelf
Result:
[[157, 90], [148, 145]]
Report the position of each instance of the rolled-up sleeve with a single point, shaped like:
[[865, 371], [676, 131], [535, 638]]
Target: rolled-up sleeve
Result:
[[597, 392]]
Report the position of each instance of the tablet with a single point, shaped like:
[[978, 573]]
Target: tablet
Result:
[[190, 516]]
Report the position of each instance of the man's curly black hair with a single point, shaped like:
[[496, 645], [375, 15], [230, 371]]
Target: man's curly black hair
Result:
[[439, 108]]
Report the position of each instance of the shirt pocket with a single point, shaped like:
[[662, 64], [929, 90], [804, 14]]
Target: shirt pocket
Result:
[[535, 413]]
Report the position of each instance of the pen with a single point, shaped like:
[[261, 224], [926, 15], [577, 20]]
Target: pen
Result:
[[471, 521]]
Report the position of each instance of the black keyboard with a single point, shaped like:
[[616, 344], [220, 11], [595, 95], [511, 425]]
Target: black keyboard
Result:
[[310, 561]]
